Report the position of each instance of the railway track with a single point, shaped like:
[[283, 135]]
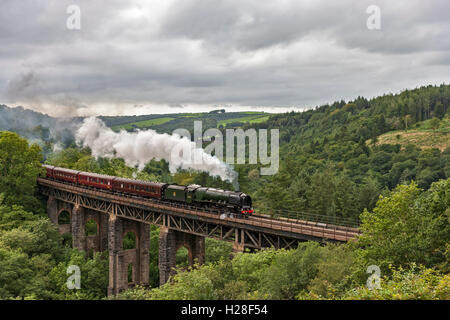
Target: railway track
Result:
[[280, 224]]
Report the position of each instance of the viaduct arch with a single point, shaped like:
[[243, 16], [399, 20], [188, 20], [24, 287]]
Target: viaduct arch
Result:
[[180, 225], [110, 234]]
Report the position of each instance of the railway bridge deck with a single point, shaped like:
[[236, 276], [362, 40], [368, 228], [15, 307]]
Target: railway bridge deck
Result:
[[180, 225]]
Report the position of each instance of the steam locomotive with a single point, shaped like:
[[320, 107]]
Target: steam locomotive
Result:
[[228, 202]]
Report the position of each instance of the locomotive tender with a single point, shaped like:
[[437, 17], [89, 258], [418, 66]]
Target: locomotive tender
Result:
[[229, 202]]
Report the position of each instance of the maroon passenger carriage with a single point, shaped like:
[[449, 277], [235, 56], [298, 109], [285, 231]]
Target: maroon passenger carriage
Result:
[[237, 202], [142, 188], [48, 170], [95, 180], [101, 181], [63, 174]]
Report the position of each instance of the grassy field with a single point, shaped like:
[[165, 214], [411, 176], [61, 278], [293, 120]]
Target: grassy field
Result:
[[143, 124], [168, 122], [190, 115], [421, 135], [256, 118], [259, 120]]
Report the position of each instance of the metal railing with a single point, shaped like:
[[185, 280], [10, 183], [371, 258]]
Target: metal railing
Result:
[[313, 217], [314, 225]]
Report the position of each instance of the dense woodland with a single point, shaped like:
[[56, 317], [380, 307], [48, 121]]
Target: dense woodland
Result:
[[331, 164]]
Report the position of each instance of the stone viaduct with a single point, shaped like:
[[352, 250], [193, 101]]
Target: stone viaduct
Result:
[[99, 221], [111, 230]]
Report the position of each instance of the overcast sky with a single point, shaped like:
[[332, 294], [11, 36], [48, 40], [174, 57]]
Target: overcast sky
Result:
[[143, 57]]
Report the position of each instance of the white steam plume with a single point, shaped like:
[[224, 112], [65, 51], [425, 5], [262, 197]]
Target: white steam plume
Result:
[[138, 148]]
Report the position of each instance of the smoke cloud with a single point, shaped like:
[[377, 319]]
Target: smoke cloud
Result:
[[138, 148]]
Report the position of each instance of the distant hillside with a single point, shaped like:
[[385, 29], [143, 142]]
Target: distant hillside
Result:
[[22, 120], [38, 127], [336, 159], [169, 122], [422, 136], [35, 125]]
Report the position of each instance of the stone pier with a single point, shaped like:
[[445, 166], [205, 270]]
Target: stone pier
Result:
[[169, 243], [120, 260], [127, 266]]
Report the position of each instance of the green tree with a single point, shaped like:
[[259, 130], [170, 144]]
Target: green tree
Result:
[[334, 272], [13, 216], [37, 237], [15, 273], [19, 168], [94, 276], [291, 271], [406, 227], [435, 122], [411, 283]]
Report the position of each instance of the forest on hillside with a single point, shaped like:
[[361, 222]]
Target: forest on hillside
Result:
[[330, 159], [331, 163]]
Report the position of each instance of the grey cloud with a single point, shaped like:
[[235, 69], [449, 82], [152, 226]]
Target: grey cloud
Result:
[[26, 84], [248, 25], [179, 53]]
